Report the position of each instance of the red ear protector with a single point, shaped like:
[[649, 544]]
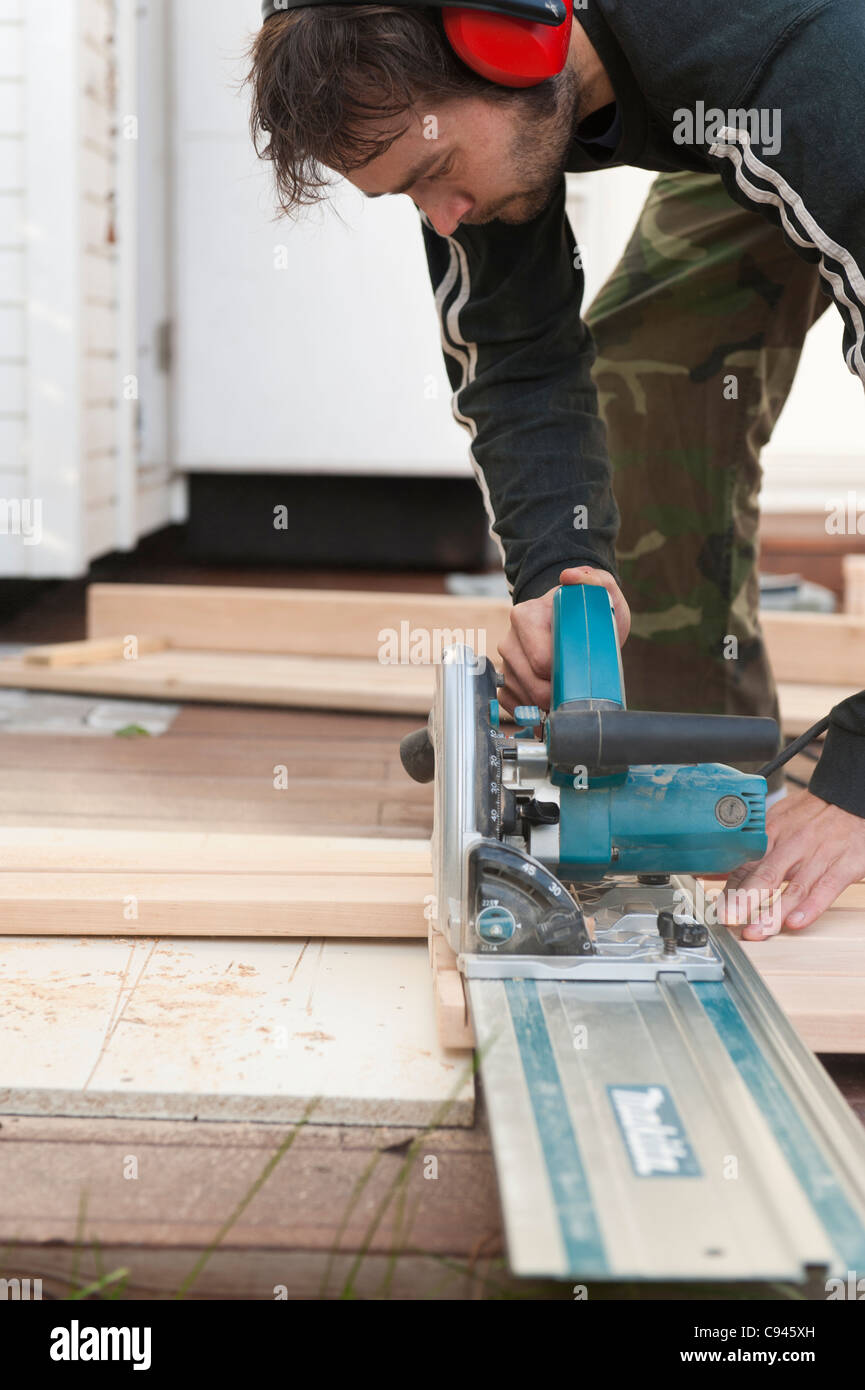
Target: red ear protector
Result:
[[515, 43], [512, 52]]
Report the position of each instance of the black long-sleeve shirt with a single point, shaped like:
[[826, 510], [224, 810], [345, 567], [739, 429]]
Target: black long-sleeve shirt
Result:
[[509, 297]]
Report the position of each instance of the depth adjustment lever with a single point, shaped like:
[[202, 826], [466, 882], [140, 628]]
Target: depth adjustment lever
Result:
[[539, 812]]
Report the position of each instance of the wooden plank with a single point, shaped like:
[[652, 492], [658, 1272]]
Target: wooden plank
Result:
[[843, 920], [223, 778], [92, 650], [820, 956], [853, 569], [337, 729], [251, 820], [826, 648], [37, 849], [182, 904], [453, 1024], [339, 793], [818, 974], [836, 924], [315, 683], [298, 622], [828, 1014], [205, 800], [373, 761], [804, 703]]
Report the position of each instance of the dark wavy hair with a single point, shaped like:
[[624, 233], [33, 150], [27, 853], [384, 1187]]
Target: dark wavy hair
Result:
[[325, 78]]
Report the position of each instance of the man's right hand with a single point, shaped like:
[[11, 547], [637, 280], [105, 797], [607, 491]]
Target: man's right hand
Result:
[[526, 650]]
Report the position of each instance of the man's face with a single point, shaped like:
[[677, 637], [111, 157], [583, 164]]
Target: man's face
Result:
[[475, 161]]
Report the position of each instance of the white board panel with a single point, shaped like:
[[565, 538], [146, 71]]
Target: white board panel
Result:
[[13, 388], [12, 282], [13, 450], [11, 160], [12, 107], [226, 1030]]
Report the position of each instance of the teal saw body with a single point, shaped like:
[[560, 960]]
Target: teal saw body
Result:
[[638, 817]]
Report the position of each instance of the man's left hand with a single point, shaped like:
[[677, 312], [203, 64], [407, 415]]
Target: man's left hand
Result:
[[817, 848]]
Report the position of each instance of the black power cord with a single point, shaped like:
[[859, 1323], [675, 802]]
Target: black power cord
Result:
[[795, 747], [810, 754]]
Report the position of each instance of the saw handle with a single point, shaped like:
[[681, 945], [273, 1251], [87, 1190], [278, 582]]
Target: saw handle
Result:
[[586, 665], [612, 738]]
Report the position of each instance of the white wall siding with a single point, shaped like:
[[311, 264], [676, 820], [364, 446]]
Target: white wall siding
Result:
[[13, 345], [161, 494], [99, 270], [52, 219], [68, 438]]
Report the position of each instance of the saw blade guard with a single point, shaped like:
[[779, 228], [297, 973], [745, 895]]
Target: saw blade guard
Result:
[[493, 898]]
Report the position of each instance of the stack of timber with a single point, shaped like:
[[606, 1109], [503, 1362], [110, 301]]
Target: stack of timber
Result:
[[352, 651], [198, 883], [295, 647]]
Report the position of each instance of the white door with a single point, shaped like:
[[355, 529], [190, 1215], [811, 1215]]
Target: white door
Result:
[[297, 346]]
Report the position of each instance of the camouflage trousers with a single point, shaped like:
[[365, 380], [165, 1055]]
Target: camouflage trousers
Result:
[[698, 333]]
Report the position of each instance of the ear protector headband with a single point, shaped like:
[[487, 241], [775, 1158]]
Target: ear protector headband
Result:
[[515, 43]]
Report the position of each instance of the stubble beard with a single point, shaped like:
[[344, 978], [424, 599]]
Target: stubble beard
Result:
[[538, 157]]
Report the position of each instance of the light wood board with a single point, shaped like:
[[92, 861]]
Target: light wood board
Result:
[[803, 705], [817, 975], [87, 652], [28, 848], [451, 1006], [104, 883], [238, 678], [254, 905], [828, 648], [290, 622]]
